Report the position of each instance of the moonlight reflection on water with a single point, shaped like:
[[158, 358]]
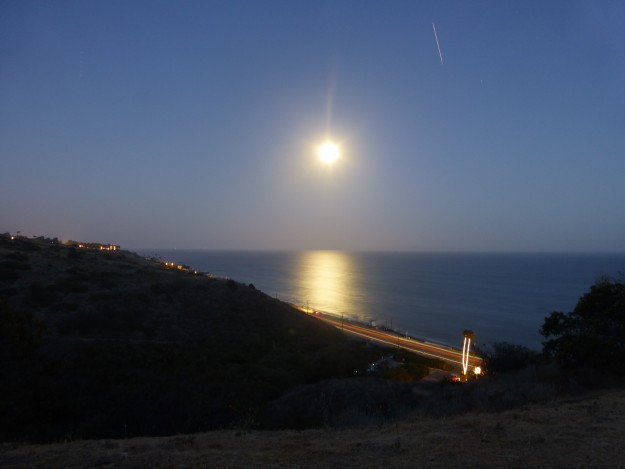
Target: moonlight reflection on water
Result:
[[324, 277]]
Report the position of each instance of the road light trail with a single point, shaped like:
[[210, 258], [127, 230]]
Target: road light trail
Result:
[[448, 354]]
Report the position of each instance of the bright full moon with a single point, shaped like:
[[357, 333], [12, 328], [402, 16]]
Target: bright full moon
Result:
[[329, 152]]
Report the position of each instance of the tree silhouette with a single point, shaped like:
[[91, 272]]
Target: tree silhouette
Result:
[[593, 334]]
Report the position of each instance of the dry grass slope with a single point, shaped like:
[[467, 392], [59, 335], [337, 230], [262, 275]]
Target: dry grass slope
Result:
[[574, 433]]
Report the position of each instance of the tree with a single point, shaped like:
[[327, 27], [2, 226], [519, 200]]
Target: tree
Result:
[[593, 334]]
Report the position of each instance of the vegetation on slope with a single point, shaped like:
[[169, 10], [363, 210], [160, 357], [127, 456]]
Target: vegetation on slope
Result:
[[109, 344], [593, 334]]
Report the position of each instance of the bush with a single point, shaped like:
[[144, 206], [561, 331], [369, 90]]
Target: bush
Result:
[[42, 296], [8, 274], [27, 246], [73, 253], [593, 334], [71, 286], [7, 292], [20, 333], [504, 357], [18, 256]]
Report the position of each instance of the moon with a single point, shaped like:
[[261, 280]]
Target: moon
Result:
[[329, 152]]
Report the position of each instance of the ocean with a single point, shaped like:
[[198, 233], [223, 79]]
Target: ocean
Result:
[[501, 297]]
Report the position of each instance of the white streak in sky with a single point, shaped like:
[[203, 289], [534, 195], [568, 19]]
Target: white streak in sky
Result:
[[80, 70], [438, 46]]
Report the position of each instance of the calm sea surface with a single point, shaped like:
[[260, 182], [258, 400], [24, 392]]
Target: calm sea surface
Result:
[[502, 297]]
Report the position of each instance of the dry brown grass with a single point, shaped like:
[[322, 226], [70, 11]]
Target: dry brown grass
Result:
[[576, 432]]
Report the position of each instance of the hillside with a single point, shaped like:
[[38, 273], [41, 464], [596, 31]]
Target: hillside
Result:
[[577, 433], [109, 344]]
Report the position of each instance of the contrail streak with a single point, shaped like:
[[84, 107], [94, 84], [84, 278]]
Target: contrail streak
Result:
[[440, 54]]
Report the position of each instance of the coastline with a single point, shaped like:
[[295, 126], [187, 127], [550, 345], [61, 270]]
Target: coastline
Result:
[[502, 297]]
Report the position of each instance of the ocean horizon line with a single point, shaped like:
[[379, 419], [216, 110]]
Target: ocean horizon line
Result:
[[380, 251]]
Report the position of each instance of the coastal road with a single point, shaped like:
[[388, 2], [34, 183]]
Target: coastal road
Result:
[[428, 349]]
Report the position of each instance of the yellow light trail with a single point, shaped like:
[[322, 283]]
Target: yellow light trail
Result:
[[447, 354]]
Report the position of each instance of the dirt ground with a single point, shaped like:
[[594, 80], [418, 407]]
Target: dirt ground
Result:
[[579, 432]]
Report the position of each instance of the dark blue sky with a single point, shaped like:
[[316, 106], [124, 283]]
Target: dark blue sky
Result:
[[193, 124]]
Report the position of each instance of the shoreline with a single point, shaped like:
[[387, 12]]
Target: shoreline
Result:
[[351, 319]]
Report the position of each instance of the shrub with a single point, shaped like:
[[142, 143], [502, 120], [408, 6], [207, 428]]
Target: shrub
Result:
[[15, 265], [73, 253], [8, 274], [505, 357], [42, 296], [7, 292], [71, 286], [20, 333], [18, 256], [78, 323], [28, 246]]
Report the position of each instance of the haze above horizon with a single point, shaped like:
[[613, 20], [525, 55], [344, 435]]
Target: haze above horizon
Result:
[[462, 126]]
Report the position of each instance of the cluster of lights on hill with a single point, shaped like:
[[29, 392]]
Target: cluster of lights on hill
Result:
[[71, 243]]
